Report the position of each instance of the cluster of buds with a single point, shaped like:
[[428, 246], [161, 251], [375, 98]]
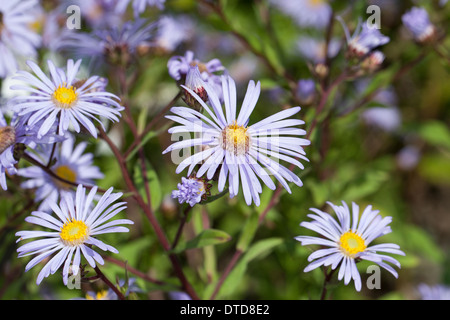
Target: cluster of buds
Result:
[[192, 190]]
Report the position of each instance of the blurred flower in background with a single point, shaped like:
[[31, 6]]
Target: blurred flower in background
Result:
[[417, 21], [436, 292], [18, 40], [306, 13], [70, 163]]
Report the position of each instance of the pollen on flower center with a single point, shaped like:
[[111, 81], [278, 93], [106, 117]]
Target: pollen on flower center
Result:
[[235, 139], [101, 295], [201, 66], [64, 97], [74, 232], [351, 244], [66, 173], [315, 2]]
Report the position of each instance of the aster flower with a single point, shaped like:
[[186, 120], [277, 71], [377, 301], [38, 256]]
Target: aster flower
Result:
[[240, 150], [12, 136], [73, 232], [117, 45], [64, 99], [306, 13], [71, 163], [347, 240], [191, 190], [139, 6], [172, 31], [436, 292], [17, 39], [364, 39], [417, 21], [384, 118]]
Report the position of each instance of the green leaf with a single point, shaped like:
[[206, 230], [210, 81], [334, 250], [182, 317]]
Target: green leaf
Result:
[[248, 232], [258, 250], [435, 168], [153, 184], [435, 133], [205, 238]]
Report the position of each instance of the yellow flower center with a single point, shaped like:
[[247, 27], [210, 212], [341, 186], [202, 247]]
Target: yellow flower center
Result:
[[65, 97], [101, 295], [201, 66], [66, 173], [235, 139], [315, 2], [74, 232], [7, 137], [351, 244]]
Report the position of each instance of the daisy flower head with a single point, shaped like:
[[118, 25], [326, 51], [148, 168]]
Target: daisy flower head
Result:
[[117, 45], [79, 219], [63, 99], [417, 21], [235, 149], [71, 164], [17, 38], [347, 240]]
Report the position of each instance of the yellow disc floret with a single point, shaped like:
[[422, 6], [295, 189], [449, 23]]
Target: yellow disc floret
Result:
[[235, 139], [74, 232], [101, 295], [66, 173], [315, 2], [351, 244], [64, 97]]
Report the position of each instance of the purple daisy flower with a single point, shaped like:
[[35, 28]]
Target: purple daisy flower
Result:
[[116, 45], [235, 149], [346, 240], [64, 100], [79, 220]]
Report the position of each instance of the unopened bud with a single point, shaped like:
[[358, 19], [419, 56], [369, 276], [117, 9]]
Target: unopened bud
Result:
[[195, 82], [373, 61]]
